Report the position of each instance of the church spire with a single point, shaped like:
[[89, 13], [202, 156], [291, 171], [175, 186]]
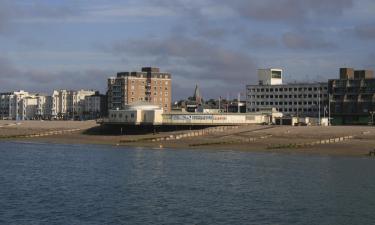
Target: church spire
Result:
[[197, 95]]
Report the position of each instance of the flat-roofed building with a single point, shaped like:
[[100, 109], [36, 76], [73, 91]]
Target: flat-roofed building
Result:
[[295, 99], [150, 85], [95, 106], [352, 97], [67, 104]]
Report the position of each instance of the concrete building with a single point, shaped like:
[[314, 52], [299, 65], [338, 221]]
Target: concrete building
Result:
[[95, 106], [63, 104], [352, 97], [43, 106], [69, 104], [150, 85], [28, 108], [5, 105], [296, 99], [270, 76], [12, 105], [137, 114]]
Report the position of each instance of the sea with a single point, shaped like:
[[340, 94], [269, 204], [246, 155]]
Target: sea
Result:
[[92, 184]]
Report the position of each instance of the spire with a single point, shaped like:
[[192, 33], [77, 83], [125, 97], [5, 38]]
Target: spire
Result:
[[197, 95]]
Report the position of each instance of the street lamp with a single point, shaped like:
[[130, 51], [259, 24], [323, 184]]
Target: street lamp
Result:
[[372, 117]]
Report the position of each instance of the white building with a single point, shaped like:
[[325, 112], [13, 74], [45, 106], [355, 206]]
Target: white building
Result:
[[296, 99], [28, 108], [136, 114], [12, 105], [69, 104], [147, 114], [44, 106], [63, 104], [270, 76]]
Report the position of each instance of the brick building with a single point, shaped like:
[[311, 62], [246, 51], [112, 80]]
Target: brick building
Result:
[[150, 85]]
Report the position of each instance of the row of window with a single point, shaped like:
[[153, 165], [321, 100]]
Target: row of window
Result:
[[288, 96], [288, 110], [286, 89], [285, 103]]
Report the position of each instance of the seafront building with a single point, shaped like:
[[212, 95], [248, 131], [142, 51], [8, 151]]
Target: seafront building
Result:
[[352, 97], [62, 104], [95, 106], [69, 103], [14, 105], [295, 99], [149, 86]]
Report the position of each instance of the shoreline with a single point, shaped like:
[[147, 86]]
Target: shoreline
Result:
[[332, 141]]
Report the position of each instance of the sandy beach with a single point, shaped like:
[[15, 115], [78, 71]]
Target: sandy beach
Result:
[[339, 140]]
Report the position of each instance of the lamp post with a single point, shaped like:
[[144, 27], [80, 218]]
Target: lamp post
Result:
[[372, 117]]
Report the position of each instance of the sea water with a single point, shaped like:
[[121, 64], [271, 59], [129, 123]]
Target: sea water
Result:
[[89, 184]]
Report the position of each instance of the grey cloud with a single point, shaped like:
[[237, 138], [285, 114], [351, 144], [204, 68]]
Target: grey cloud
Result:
[[261, 41], [291, 11], [365, 31], [308, 42], [41, 9], [193, 59], [13, 78], [215, 62], [6, 68], [13, 11], [6, 13]]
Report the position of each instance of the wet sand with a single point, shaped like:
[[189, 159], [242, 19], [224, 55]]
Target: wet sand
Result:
[[279, 139]]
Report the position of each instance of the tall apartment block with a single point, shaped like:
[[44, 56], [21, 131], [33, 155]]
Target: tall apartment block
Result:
[[150, 85], [296, 99], [352, 97]]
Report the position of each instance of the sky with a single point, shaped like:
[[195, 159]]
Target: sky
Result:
[[217, 44]]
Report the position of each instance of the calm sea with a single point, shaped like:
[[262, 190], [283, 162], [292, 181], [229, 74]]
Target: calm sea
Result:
[[87, 184]]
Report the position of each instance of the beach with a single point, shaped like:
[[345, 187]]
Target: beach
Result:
[[334, 140]]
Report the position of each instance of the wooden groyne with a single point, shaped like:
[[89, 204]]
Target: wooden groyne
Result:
[[42, 134], [242, 141], [191, 134], [310, 144]]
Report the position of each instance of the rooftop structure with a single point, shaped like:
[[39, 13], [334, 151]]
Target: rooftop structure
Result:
[[270, 76]]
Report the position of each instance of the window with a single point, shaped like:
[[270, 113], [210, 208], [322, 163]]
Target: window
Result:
[[132, 115]]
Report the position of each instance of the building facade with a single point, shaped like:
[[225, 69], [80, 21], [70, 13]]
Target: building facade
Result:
[[13, 105], [352, 97], [69, 104], [296, 99], [150, 85], [95, 106], [62, 104]]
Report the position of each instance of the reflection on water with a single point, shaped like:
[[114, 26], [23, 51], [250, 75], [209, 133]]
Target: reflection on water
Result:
[[87, 184]]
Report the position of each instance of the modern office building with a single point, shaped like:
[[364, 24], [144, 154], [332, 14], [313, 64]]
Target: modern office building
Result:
[[352, 97], [295, 99], [150, 85]]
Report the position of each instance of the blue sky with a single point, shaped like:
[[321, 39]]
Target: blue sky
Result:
[[219, 44]]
